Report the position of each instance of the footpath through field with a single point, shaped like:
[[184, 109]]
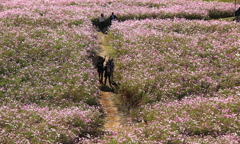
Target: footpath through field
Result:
[[113, 118]]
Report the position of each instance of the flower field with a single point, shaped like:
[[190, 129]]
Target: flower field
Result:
[[193, 120], [48, 84], [177, 58], [142, 9], [194, 61]]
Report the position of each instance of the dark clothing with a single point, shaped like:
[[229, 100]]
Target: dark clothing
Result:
[[100, 69], [107, 74], [107, 71], [237, 13], [102, 26], [112, 17], [112, 66], [100, 66]]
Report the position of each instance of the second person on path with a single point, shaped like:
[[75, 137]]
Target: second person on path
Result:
[[112, 69], [107, 73], [113, 17]]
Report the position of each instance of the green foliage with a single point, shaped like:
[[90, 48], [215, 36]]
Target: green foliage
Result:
[[216, 14], [131, 96], [75, 23], [196, 119], [230, 1], [73, 3], [38, 126]]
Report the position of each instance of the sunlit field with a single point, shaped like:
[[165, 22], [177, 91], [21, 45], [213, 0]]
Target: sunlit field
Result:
[[177, 70], [48, 88], [180, 79]]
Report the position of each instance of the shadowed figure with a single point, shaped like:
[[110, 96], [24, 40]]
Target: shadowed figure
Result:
[[102, 24], [112, 69], [237, 15], [107, 77], [237, 12], [100, 68], [113, 17], [107, 73], [95, 60]]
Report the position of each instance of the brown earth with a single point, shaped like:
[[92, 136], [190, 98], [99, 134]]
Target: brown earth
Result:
[[113, 118]]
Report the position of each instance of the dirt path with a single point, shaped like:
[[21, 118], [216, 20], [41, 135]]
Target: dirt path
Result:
[[113, 117]]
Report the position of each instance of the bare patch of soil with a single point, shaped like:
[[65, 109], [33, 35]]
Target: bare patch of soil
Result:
[[112, 116]]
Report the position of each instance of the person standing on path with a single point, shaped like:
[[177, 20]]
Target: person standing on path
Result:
[[102, 22], [100, 68], [107, 73], [112, 68], [113, 17]]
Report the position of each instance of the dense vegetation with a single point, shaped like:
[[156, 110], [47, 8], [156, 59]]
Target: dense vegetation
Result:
[[179, 79], [48, 85], [177, 58], [48, 88]]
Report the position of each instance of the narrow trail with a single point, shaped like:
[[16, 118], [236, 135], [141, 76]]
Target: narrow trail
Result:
[[113, 117]]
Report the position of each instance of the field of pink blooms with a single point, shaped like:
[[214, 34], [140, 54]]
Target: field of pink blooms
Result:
[[49, 89], [192, 121], [48, 86], [194, 61], [141, 9], [174, 58]]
